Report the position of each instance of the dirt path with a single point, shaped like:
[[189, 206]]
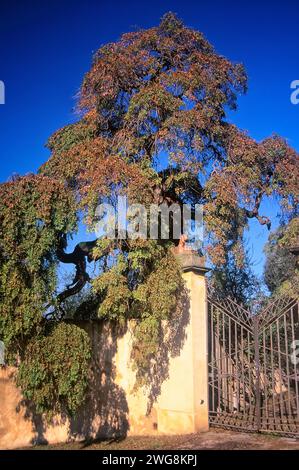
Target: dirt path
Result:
[[217, 439]]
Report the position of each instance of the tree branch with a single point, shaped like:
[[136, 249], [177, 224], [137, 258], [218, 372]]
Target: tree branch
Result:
[[254, 213], [78, 257]]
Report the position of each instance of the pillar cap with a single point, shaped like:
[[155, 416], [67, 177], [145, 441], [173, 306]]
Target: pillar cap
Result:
[[191, 261]]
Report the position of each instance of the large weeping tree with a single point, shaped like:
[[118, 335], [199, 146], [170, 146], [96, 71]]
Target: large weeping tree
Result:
[[152, 126]]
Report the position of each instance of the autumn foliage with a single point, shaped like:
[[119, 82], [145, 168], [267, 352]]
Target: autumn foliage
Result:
[[152, 125]]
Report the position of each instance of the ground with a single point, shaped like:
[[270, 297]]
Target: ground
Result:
[[216, 439]]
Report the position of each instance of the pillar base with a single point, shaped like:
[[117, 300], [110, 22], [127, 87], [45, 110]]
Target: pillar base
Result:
[[180, 422]]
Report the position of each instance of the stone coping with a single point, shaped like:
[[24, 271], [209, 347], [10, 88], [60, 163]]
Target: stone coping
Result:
[[192, 261]]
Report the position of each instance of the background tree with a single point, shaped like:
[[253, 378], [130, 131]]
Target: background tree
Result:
[[281, 271], [152, 126], [236, 281]]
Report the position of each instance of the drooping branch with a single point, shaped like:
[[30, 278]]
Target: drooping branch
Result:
[[82, 253], [165, 192], [254, 213], [78, 257]]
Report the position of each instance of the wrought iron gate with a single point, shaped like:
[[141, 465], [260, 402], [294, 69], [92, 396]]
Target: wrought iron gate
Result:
[[253, 367]]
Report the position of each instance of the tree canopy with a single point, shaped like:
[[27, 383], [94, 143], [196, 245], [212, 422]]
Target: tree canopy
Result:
[[152, 126]]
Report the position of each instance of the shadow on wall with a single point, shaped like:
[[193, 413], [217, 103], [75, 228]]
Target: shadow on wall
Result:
[[38, 423], [105, 412], [18, 423], [172, 339], [104, 415]]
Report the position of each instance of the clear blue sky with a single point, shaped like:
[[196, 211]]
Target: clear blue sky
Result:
[[46, 47]]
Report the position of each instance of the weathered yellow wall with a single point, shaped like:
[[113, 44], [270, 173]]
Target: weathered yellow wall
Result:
[[177, 397], [111, 408]]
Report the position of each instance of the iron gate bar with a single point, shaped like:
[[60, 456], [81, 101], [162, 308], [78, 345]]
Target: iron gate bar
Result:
[[287, 362], [231, 307], [253, 385], [295, 368], [257, 372], [274, 309]]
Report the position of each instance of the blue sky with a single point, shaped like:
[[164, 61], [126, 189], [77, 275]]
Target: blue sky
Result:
[[46, 47]]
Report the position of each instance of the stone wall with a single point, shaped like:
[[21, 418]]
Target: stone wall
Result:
[[175, 402], [105, 413]]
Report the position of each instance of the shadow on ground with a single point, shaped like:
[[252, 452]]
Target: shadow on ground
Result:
[[212, 440]]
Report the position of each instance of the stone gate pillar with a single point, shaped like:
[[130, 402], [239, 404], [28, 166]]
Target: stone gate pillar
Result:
[[183, 403]]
